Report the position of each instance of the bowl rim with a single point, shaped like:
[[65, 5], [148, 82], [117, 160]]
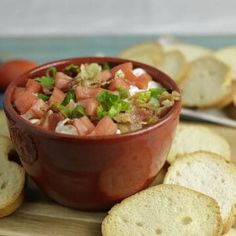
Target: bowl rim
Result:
[[9, 109]]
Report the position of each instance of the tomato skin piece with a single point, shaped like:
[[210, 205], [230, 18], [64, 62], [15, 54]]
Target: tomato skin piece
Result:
[[52, 120], [56, 97], [83, 126], [105, 126], [106, 75], [62, 81], [142, 81], [25, 101], [83, 93], [39, 108], [18, 91], [118, 83], [90, 105], [33, 86], [128, 66]]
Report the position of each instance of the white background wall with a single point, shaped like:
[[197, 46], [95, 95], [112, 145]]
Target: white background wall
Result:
[[79, 17]]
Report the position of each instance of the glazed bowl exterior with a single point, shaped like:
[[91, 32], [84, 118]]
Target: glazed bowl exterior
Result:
[[91, 173]]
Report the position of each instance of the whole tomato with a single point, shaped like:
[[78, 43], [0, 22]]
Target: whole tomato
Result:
[[12, 69]]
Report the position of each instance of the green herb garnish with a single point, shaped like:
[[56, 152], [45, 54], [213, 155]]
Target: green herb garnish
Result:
[[124, 93], [47, 82], [51, 72], [71, 70], [77, 112], [43, 97], [71, 67], [156, 92], [106, 66], [69, 96], [64, 110], [143, 97], [110, 104]]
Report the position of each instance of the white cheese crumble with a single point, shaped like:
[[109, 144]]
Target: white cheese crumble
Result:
[[151, 84], [138, 71], [65, 129], [118, 131], [119, 74]]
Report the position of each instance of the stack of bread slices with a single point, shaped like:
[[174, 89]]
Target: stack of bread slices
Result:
[[12, 175], [196, 197], [207, 78]]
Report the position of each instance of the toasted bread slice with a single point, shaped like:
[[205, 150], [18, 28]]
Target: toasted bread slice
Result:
[[228, 56], [192, 138], [166, 210], [3, 124], [211, 175], [150, 53], [175, 65], [190, 51], [208, 84], [232, 232], [12, 179]]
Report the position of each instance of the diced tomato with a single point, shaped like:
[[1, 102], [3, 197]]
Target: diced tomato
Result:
[[83, 125], [62, 81], [142, 81], [106, 126], [128, 66], [25, 101], [106, 75], [83, 93], [18, 91], [39, 108], [57, 96], [130, 76], [90, 106], [33, 86], [52, 121], [118, 83]]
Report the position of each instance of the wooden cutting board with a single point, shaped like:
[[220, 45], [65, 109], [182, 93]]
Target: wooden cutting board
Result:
[[41, 216]]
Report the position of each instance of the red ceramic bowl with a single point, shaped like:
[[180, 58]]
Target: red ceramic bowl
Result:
[[91, 173]]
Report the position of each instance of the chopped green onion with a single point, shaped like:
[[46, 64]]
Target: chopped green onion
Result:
[[111, 105], [69, 96], [100, 112], [156, 92], [51, 72], [47, 82], [107, 99], [124, 93], [143, 97], [43, 97], [65, 111], [78, 111], [106, 66], [154, 101], [71, 67]]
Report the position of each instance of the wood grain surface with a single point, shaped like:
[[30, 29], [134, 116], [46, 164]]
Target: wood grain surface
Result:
[[41, 216]]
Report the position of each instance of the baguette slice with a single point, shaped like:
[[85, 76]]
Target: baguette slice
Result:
[[175, 65], [228, 56], [207, 84], [164, 210], [150, 53], [192, 138], [211, 175], [232, 232], [12, 179], [190, 51]]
